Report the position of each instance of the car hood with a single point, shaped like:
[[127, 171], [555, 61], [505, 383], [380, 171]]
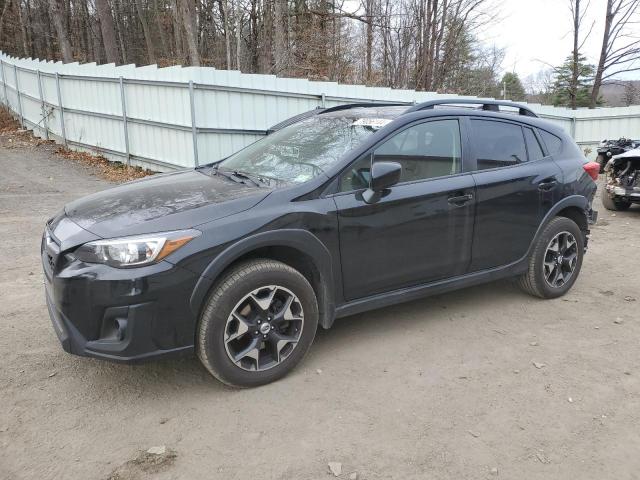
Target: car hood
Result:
[[628, 154], [163, 202]]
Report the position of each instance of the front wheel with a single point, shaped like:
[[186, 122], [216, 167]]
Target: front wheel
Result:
[[257, 324], [556, 260]]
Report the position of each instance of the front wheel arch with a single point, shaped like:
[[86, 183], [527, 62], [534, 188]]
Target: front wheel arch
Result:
[[299, 249]]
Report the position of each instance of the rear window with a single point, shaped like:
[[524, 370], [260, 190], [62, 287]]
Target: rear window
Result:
[[533, 146], [553, 143], [498, 144]]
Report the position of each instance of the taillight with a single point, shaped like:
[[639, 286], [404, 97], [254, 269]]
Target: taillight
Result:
[[593, 169]]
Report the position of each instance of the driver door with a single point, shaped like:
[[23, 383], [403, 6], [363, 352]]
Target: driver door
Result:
[[418, 231]]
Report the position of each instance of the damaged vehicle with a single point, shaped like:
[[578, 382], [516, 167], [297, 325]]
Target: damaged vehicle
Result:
[[610, 148], [622, 187], [335, 212]]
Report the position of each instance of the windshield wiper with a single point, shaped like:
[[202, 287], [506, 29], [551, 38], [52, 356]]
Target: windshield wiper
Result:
[[241, 177]]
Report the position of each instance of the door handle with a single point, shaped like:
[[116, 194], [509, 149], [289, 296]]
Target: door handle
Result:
[[460, 199], [548, 185]]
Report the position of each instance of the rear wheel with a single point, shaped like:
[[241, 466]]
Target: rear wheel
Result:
[[257, 324], [556, 260], [613, 203]]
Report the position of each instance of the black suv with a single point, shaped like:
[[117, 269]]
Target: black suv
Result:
[[336, 211]]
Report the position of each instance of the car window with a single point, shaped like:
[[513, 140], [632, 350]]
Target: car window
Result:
[[533, 146], [357, 176], [553, 143], [498, 144], [427, 150]]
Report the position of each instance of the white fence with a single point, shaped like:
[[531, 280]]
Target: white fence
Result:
[[167, 118]]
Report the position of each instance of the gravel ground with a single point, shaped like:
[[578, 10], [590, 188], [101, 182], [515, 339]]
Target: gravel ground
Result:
[[441, 388]]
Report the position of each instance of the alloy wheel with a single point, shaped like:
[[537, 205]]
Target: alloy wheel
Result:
[[264, 328], [560, 259]]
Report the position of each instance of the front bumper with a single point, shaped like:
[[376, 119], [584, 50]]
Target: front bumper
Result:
[[122, 315]]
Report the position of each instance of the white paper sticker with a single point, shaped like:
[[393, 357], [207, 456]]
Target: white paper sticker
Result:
[[375, 123]]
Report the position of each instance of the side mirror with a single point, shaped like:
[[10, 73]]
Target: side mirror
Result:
[[383, 175]]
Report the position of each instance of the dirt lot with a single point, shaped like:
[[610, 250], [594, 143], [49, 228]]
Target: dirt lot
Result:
[[442, 388]]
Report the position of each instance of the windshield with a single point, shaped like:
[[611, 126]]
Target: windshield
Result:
[[303, 150]]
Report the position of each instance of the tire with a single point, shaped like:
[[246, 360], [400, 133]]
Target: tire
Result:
[[243, 290], [602, 160], [534, 281], [612, 203]]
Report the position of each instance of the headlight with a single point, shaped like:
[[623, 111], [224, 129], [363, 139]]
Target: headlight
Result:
[[134, 251]]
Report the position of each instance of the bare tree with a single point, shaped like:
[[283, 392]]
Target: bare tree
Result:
[[108, 31], [630, 95], [280, 36], [620, 47], [57, 13], [188, 13], [151, 51], [3, 15], [224, 13], [578, 11]]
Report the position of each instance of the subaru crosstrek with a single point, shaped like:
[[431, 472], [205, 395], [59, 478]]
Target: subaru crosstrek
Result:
[[334, 212]]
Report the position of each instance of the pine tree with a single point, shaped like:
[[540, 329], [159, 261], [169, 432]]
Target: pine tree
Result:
[[564, 89], [513, 87]]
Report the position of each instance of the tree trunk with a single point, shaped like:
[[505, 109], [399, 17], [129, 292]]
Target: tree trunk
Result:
[[224, 13], [369, 53], [117, 17], [5, 9], [573, 88], [151, 52], [238, 15], [161, 32], [23, 31], [266, 52], [189, 23], [597, 81], [108, 31], [57, 11], [280, 39]]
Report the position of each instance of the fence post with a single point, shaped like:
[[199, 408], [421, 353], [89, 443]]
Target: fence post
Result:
[[4, 84], [62, 127], [574, 120], [323, 100], [124, 121], [15, 72], [45, 120], [194, 129]]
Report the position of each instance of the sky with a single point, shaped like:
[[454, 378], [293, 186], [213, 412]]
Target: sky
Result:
[[537, 31]]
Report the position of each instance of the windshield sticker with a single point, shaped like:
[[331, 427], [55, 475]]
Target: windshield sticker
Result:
[[375, 123]]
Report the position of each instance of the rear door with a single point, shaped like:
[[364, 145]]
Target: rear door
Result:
[[516, 185]]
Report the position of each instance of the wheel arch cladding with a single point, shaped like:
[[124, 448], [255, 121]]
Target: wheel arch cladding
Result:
[[299, 249], [574, 208]]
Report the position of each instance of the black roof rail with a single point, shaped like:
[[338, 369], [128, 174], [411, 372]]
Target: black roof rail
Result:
[[490, 105], [348, 106], [319, 110], [294, 119]]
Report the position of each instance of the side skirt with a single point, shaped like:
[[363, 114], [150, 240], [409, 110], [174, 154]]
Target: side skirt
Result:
[[420, 291]]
